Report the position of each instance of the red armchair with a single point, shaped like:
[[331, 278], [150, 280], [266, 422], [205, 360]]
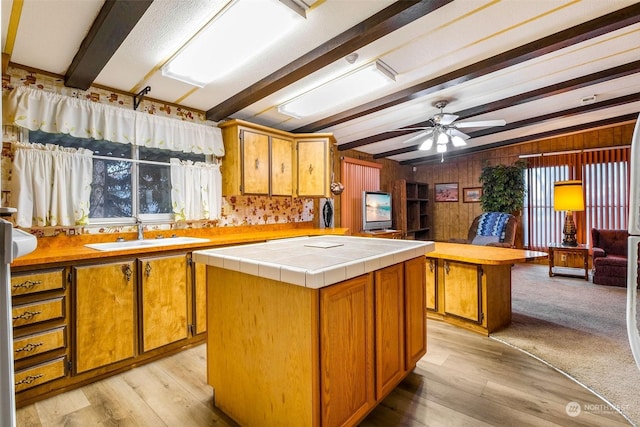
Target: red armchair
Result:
[[609, 257]]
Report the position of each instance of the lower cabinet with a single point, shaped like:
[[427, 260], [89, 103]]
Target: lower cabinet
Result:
[[298, 356], [78, 322], [163, 300], [105, 322]]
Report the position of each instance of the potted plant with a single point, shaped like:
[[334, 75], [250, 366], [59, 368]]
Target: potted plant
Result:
[[503, 188]]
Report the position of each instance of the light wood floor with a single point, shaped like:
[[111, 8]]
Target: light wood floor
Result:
[[464, 380]]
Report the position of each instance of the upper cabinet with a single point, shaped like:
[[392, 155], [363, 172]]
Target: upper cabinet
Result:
[[264, 161]]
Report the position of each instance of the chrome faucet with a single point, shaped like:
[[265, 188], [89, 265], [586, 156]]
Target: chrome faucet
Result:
[[140, 228]]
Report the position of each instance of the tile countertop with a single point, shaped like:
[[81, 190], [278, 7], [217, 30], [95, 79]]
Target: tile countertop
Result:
[[314, 262]]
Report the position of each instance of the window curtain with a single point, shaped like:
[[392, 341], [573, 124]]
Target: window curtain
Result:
[[605, 180], [36, 109], [51, 185], [196, 190]]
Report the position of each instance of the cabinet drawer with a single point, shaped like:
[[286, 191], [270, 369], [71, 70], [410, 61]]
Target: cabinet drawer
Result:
[[24, 284], [40, 374], [39, 343], [29, 314]]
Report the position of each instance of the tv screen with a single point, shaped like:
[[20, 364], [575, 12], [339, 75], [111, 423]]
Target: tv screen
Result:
[[376, 210]]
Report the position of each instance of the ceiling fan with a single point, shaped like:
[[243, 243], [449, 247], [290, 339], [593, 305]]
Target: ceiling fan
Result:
[[445, 130]]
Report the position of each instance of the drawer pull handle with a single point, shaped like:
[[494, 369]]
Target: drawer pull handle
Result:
[[310, 168], [446, 267], [29, 347], [431, 265], [29, 379], [27, 315], [282, 167], [257, 164], [147, 269], [27, 284]]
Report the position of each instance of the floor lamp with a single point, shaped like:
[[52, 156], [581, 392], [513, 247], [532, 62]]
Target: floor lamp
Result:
[[568, 197]]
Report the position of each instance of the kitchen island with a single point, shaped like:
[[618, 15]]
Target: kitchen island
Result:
[[312, 331]]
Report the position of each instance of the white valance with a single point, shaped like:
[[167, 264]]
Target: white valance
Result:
[[36, 109]]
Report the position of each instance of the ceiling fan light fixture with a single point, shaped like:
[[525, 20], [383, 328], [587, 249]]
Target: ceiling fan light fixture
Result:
[[441, 148], [457, 141], [427, 144], [209, 55], [443, 138], [332, 93]]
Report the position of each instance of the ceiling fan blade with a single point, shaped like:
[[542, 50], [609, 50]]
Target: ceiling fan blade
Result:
[[445, 118], [481, 124], [417, 136], [456, 132], [403, 129]]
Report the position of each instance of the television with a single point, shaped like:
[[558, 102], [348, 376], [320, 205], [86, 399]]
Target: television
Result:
[[376, 210]]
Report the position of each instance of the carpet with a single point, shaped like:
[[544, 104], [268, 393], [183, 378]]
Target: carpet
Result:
[[578, 328]]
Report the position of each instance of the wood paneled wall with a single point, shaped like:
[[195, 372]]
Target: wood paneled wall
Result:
[[452, 219], [357, 176]]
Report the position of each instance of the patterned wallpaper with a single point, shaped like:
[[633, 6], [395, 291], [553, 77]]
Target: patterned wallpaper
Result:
[[236, 210]]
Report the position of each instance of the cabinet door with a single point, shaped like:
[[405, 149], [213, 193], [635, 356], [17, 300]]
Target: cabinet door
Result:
[[255, 163], [346, 351], [313, 168], [105, 314], [431, 284], [281, 167], [415, 315], [200, 297], [389, 326], [163, 289], [462, 290]]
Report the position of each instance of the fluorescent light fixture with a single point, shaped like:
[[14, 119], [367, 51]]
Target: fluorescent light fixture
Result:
[[240, 31], [354, 84]]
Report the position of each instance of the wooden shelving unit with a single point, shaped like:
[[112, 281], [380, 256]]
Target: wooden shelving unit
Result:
[[412, 210]]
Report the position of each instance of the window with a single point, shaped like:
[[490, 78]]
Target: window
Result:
[[605, 182], [127, 180]]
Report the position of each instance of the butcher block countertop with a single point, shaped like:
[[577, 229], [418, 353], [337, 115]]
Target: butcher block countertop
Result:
[[314, 262], [64, 249]]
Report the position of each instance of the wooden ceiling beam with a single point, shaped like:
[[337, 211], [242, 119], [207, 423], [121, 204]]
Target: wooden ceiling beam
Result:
[[577, 34], [113, 24], [382, 23], [522, 98]]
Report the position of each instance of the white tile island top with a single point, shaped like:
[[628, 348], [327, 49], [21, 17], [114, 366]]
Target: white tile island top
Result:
[[314, 262]]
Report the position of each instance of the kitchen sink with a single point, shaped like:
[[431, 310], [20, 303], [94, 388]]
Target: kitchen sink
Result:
[[137, 244]]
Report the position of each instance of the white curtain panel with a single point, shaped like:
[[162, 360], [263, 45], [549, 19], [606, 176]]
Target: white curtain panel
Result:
[[36, 109], [51, 185], [196, 190]]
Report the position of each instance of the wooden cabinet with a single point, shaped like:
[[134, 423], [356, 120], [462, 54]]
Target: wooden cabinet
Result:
[[40, 307], [314, 166], [163, 300], [413, 209], [472, 295], [258, 160], [309, 357], [105, 322], [199, 300], [281, 167], [265, 161], [347, 352], [255, 162]]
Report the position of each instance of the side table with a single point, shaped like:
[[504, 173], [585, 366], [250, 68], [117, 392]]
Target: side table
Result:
[[580, 251]]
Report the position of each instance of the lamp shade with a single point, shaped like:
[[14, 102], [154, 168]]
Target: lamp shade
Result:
[[568, 196]]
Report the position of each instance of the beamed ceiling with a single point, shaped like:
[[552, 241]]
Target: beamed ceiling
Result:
[[532, 63]]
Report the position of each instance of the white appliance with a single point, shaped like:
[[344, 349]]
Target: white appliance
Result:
[[633, 245], [15, 243]]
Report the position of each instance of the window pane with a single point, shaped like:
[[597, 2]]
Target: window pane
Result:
[[111, 189], [154, 189]]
